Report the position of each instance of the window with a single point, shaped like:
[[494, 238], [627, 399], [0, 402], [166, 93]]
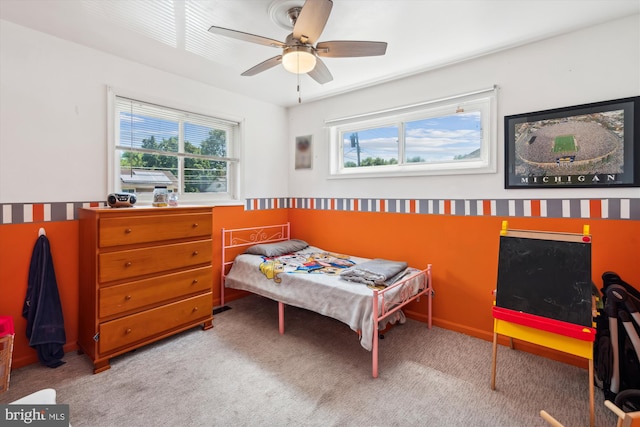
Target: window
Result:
[[190, 154], [452, 136]]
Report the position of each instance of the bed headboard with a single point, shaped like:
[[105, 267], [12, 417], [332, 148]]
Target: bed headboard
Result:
[[237, 240]]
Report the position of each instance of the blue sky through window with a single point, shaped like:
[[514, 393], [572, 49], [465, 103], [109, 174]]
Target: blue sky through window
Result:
[[443, 138], [434, 139]]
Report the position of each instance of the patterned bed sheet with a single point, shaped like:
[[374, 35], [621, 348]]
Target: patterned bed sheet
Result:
[[310, 279]]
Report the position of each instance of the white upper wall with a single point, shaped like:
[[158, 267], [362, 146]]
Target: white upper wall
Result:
[[53, 136], [596, 64], [53, 119]]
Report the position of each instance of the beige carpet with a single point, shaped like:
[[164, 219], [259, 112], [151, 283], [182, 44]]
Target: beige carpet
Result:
[[243, 373]]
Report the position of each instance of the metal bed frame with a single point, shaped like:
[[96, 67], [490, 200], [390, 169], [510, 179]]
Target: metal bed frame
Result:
[[235, 241]]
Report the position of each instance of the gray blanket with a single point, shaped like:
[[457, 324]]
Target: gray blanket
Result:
[[376, 272]]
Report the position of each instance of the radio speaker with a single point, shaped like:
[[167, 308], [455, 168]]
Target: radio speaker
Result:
[[121, 200]]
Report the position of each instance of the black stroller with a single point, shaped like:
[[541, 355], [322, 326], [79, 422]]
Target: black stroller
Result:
[[617, 349]]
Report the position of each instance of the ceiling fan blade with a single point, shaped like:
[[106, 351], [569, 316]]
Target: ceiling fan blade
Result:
[[346, 48], [263, 66], [320, 72], [246, 37], [311, 20]]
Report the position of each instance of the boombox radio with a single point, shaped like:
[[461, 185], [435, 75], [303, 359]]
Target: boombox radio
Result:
[[121, 200]]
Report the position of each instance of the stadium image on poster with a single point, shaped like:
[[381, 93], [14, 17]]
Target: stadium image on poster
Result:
[[574, 147]]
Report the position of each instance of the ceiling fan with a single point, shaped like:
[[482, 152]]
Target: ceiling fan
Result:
[[300, 54]]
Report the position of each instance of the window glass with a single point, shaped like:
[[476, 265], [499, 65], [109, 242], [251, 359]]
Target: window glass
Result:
[[456, 135], [370, 147], [443, 139], [159, 146]]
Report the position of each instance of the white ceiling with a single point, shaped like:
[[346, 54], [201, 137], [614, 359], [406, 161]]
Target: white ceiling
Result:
[[172, 35]]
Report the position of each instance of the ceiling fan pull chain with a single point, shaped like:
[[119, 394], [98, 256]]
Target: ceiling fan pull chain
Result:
[[299, 95]]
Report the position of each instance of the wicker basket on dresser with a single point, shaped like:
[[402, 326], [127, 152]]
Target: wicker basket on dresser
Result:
[[145, 274]]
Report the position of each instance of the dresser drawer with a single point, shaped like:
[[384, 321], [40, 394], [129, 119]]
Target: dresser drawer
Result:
[[141, 326], [139, 262], [118, 299], [152, 228]]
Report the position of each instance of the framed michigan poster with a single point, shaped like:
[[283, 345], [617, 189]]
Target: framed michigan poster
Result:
[[589, 145]]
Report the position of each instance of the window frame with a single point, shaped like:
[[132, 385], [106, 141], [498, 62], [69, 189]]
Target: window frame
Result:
[[233, 154], [484, 101]]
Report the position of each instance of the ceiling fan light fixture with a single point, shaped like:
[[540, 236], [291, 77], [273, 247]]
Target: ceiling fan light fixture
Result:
[[298, 59]]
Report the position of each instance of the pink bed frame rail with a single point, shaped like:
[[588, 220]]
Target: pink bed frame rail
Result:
[[244, 237], [385, 309]]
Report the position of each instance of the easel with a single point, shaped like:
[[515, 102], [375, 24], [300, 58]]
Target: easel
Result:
[[555, 334]]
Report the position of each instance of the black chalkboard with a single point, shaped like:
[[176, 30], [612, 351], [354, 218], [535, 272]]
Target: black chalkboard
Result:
[[548, 278]]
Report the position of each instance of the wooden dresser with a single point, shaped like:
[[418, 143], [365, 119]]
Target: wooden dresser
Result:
[[145, 274]]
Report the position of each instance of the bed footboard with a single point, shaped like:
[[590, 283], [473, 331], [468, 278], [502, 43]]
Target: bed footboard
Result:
[[384, 305]]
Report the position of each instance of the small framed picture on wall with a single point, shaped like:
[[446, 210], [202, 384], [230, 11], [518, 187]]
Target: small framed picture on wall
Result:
[[303, 151]]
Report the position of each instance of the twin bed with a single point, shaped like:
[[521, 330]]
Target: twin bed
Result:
[[365, 294]]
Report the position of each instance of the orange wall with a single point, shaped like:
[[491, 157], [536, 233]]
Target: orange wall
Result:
[[462, 249], [16, 246], [464, 253]]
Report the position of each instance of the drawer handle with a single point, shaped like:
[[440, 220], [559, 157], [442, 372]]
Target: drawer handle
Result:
[[127, 297], [127, 264], [195, 253], [128, 230], [195, 224], [128, 331], [195, 309], [194, 281]]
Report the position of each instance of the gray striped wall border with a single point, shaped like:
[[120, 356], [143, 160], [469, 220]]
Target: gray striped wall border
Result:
[[627, 209], [546, 208], [21, 213]]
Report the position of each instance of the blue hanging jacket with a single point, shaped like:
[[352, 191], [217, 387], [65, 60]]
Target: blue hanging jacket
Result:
[[42, 307]]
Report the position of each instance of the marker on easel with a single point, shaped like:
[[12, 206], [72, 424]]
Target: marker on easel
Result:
[[503, 231], [586, 236]]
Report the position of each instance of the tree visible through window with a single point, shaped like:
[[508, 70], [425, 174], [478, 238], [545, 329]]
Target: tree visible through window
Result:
[[454, 136], [437, 139], [159, 146]]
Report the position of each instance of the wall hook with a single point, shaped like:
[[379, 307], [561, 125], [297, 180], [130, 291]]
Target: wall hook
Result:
[[41, 232]]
